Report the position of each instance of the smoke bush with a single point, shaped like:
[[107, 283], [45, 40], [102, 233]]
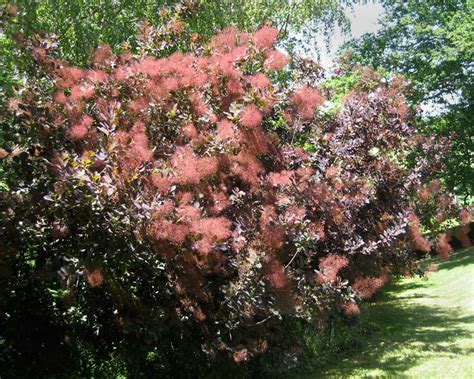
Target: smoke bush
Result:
[[158, 196]]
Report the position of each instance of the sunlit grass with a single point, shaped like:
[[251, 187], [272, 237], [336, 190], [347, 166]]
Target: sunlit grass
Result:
[[424, 328]]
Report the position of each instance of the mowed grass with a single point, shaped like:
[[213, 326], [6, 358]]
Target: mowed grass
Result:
[[423, 328]]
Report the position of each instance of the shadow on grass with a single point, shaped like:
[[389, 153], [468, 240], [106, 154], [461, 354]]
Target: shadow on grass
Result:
[[406, 333], [457, 259]]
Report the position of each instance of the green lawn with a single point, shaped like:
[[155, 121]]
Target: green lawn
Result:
[[424, 328]]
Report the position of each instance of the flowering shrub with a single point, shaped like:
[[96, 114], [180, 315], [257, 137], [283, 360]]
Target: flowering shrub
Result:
[[159, 199]]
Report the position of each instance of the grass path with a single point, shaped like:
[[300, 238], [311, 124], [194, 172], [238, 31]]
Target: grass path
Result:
[[424, 328]]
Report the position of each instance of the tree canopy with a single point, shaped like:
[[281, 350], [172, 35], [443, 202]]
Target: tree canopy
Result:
[[432, 44], [83, 25]]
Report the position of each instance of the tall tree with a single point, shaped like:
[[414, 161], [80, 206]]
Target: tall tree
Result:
[[83, 24], [432, 43]]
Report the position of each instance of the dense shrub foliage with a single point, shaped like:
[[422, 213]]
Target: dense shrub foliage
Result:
[[163, 211]]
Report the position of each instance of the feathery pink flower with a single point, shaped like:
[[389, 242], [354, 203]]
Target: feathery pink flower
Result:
[[161, 182], [246, 166], [305, 100], [275, 60], [251, 116], [162, 229], [82, 91], [418, 242], [80, 129], [139, 104], [350, 309], [465, 216], [234, 87], [259, 80], [225, 130], [190, 131], [60, 97], [94, 278], [191, 169], [103, 55], [199, 105], [226, 40], [276, 274], [443, 248], [281, 178], [367, 287], [96, 76], [330, 266], [265, 37]]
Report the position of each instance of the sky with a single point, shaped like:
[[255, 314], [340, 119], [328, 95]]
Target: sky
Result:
[[363, 20]]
